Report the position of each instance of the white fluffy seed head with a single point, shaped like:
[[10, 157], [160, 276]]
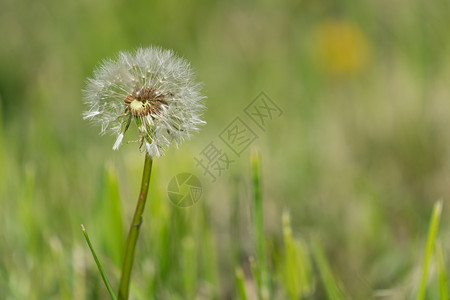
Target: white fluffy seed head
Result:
[[151, 89]]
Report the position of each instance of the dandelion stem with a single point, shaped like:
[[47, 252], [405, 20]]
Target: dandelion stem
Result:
[[134, 231]]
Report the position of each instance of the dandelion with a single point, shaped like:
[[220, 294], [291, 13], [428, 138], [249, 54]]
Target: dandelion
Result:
[[150, 88], [154, 91]]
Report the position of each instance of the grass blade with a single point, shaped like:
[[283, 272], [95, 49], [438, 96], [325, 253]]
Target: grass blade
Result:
[[100, 268], [110, 225], [443, 289], [258, 228], [331, 288], [432, 233], [189, 267], [240, 284], [296, 269], [257, 211]]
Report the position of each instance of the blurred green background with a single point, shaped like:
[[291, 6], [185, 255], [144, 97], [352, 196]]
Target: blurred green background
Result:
[[358, 158]]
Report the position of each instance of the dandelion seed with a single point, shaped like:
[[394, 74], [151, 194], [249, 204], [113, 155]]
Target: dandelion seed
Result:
[[151, 89], [118, 141]]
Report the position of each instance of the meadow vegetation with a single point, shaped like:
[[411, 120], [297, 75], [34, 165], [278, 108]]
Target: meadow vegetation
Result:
[[349, 175]]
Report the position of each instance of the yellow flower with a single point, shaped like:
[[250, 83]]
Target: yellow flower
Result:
[[340, 47]]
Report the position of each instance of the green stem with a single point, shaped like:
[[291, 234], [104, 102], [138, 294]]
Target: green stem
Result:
[[240, 284], [431, 239], [258, 210], [258, 225], [99, 265], [134, 231]]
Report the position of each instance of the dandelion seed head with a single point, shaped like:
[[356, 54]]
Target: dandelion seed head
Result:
[[151, 89]]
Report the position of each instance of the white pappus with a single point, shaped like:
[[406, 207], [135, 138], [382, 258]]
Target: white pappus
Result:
[[151, 89]]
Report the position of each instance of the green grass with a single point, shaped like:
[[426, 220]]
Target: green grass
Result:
[[357, 159], [431, 240], [296, 267], [260, 269], [99, 265], [443, 286], [240, 284], [333, 292]]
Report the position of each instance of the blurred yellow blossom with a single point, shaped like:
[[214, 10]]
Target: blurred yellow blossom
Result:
[[340, 47]]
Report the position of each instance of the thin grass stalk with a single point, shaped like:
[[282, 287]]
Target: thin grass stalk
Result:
[[99, 265], [329, 283], [240, 282], [431, 239], [258, 227], [443, 289]]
